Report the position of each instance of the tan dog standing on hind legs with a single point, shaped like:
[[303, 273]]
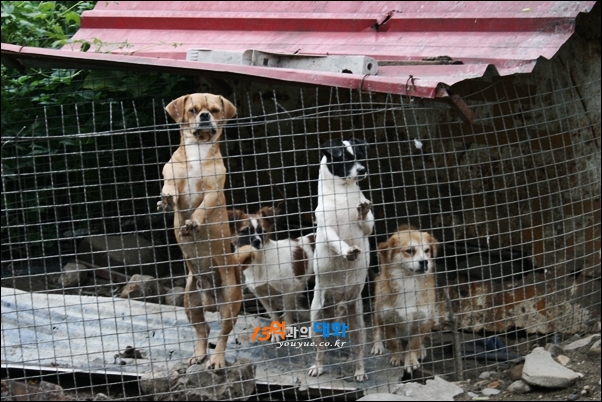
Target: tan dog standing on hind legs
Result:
[[194, 180], [405, 296]]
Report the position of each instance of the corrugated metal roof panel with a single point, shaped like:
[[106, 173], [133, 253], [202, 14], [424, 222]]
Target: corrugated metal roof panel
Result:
[[491, 32], [484, 36]]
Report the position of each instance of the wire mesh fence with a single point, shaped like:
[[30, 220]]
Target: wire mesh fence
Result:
[[93, 278]]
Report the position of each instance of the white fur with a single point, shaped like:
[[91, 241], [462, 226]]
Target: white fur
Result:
[[195, 153], [347, 145], [341, 233], [271, 278]]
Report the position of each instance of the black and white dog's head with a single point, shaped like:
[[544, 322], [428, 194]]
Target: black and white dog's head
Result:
[[346, 159]]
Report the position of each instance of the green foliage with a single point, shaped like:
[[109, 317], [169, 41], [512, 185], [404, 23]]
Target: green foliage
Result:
[[52, 153], [41, 23]]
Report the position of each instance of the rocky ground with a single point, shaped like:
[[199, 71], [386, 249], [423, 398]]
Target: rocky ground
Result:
[[557, 372], [569, 371]]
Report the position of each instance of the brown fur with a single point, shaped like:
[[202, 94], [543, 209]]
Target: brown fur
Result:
[[300, 259], [405, 299], [194, 180]]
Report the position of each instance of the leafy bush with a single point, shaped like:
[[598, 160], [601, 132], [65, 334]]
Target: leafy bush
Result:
[[61, 160], [41, 23]]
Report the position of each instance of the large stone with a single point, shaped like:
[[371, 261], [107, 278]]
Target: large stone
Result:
[[232, 382], [175, 296], [143, 287], [555, 350], [516, 372], [542, 370], [519, 387], [490, 391], [434, 390], [196, 383], [579, 343], [159, 381], [43, 391], [73, 275], [130, 254]]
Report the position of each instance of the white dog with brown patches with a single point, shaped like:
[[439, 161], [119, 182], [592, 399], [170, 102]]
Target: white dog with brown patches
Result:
[[279, 270], [405, 295], [344, 221]]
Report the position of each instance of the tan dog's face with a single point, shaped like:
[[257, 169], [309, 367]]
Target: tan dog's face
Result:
[[411, 250], [201, 116]]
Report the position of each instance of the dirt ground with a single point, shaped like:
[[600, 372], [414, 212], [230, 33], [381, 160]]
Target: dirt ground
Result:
[[477, 376]]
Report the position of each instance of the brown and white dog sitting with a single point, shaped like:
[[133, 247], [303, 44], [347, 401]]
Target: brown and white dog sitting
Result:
[[405, 295], [194, 181], [280, 269]]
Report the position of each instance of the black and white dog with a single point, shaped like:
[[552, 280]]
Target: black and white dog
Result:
[[342, 255]]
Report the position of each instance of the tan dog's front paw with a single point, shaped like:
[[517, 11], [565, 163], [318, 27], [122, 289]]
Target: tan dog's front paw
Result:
[[396, 360], [189, 226], [378, 348], [352, 253], [315, 370], [411, 362], [216, 362], [167, 203], [246, 255], [360, 375], [196, 359], [422, 352], [363, 209]]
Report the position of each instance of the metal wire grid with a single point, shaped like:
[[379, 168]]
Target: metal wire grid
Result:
[[475, 187]]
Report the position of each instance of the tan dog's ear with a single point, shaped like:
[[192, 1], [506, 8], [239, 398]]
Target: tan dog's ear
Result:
[[434, 244], [384, 250], [176, 108], [229, 108]]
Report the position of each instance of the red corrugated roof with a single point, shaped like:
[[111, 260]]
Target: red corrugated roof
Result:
[[487, 37]]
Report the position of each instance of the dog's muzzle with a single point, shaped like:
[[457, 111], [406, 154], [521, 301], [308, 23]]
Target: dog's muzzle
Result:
[[205, 127], [362, 172], [423, 266], [252, 240], [257, 243]]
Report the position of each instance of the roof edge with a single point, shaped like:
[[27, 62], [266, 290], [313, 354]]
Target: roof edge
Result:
[[21, 57]]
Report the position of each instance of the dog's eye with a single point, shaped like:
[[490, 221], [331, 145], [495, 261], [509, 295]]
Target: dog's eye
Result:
[[192, 110], [215, 110], [428, 250]]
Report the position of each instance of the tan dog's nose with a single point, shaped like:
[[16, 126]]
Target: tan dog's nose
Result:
[[204, 117]]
